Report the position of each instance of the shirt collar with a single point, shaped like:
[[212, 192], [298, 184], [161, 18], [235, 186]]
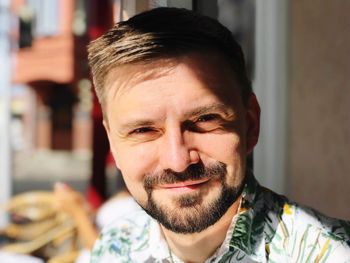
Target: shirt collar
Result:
[[248, 233]]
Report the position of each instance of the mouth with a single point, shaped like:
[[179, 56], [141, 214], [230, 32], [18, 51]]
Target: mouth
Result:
[[185, 186]]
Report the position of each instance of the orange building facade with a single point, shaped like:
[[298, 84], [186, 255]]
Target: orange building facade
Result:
[[51, 66]]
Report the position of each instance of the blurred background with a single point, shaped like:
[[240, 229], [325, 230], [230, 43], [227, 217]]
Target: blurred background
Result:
[[297, 54]]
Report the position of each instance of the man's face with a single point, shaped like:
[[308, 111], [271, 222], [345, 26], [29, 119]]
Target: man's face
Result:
[[180, 138]]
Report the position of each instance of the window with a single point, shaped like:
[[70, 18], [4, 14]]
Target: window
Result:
[[46, 17]]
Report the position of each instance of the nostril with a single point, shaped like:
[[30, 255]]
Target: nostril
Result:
[[194, 157]]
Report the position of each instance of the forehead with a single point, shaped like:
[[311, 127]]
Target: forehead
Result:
[[211, 69], [169, 88]]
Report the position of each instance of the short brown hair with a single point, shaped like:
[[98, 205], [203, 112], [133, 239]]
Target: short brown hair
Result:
[[164, 33]]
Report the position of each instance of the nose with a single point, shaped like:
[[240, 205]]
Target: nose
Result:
[[177, 151]]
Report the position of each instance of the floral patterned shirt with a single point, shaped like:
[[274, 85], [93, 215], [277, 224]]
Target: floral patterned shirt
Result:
[[267, 228]]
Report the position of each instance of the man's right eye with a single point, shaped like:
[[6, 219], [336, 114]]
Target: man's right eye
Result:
[[142, 130], [144, 134]]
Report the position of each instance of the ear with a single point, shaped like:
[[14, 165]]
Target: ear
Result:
[[108, 132], [253, 123]]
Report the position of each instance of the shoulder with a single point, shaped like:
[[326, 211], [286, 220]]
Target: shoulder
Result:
[[304, 234], [302, 218], [114, 209], [123, 237]]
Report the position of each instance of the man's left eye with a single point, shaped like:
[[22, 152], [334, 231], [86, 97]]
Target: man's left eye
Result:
[[207, 123], [208, 117]]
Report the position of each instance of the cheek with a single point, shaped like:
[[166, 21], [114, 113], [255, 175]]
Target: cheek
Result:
[[133, 165], [134, 162], [226, 148]]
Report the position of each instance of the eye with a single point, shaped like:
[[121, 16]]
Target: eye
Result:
[[144, 134], [142, 130], [207, 123], [207, 118]]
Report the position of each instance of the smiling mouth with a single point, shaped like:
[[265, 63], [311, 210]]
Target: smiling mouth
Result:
[[183, 186]]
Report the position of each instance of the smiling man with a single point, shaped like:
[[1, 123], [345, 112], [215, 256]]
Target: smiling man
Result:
[[181, 119]]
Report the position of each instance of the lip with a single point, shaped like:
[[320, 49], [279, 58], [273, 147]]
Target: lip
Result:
[[187, 185]]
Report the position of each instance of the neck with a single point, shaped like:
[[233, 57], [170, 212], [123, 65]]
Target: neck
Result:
[[198, 247]]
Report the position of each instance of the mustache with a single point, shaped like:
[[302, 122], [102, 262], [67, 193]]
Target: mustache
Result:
[[193, 172]]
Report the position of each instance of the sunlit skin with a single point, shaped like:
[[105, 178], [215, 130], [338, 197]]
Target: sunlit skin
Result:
[[189, 113]]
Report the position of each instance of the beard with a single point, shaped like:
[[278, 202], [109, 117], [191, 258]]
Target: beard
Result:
[[192, 213]]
